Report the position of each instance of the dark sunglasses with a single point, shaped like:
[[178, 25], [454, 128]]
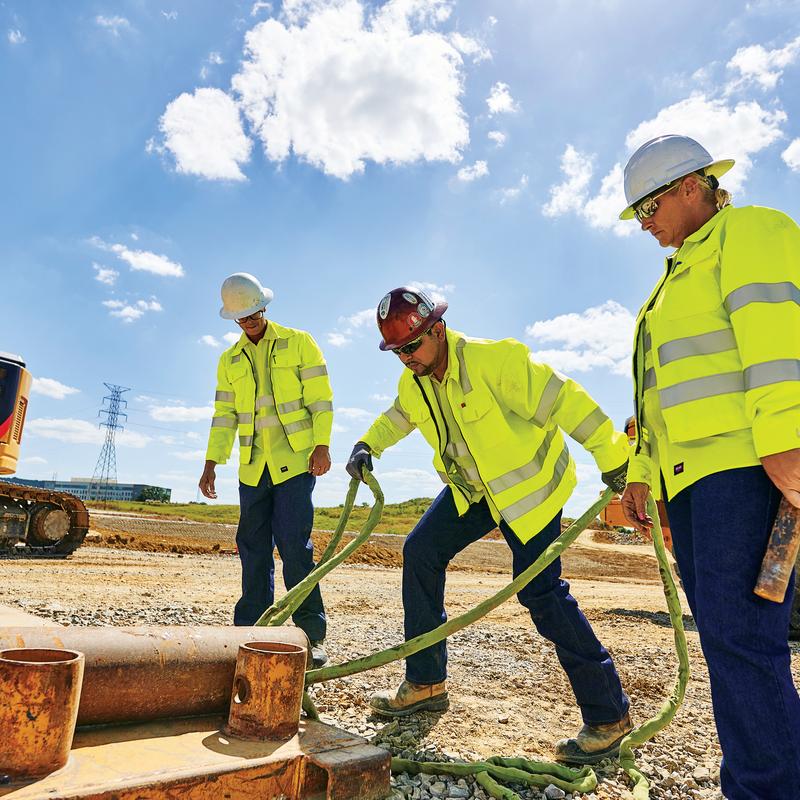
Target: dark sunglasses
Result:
[[411, 347]]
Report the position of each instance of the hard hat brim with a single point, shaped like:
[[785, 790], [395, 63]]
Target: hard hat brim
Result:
[[715, 168], [434, 317], [267, 299]]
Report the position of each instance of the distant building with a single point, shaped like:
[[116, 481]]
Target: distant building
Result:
[[80, 488]]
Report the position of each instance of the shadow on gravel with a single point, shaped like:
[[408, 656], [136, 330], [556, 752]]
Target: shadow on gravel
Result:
[[656, 617]]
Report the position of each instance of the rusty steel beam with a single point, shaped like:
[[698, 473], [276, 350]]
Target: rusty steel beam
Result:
[[140, 674]]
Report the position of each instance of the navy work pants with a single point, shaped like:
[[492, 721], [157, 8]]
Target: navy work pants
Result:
[[720, 528], [438, 537], [277, 515]]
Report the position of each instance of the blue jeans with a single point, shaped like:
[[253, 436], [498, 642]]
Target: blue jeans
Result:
[[277, 515], [438, 537], [720, 528]]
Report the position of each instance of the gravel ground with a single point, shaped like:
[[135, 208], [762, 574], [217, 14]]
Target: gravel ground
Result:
[[509, 697]]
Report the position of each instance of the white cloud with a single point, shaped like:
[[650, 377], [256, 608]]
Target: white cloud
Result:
[[204, 133], [78, 431], [258, 6], [170, 15], [209, 340], [756, 64], [15, 37], [52, 388], [191, 455], [141, 259], [134, 237], [340, 83], [181, 413], [193, 435], [436, 293], [469, 46], [381, 398], [354, 414], [215, 58], [112, 23], [105, 275], [232, 338], [128, 312], [477, 170], [337, 339], [571, 194], [33, 460], [358, 319], [497, 137], [791, 155], [337, 428], [500, 101], [507, 195], [726, 131], [600, 337], [420, 482]]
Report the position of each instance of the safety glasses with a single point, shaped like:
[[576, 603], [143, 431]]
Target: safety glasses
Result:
[[255, 317], [411, 347], [648, 206]]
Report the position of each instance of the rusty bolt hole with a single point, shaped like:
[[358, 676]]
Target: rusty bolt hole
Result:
[[241, 691]]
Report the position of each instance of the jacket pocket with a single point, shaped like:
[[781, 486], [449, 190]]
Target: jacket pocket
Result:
[[483, 422], [694, 291]]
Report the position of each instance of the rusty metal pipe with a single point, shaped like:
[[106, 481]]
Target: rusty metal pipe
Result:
[[139, 674]]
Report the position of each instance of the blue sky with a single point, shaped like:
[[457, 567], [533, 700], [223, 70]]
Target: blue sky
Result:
[[337, 149]]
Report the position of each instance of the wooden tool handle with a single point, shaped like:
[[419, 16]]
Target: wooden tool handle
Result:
[[776, 568]]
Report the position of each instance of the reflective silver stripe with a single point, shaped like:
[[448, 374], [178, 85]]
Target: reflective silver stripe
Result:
[[235, 359], [457, 450], [530, 469], [396, 415], [700, 388], [322, 405], [589, 425], [650, 381], [549, 396], [516, 510], [313, 372], [245, 419], [245, 441], [648, 342], [292, 405], [265, 401], [223, 422], [785, 292], [443, 476], [282, 344], [296, 427], [267, 422], [471, 474], [769, 372], [466, 386], [703, 345], [224, 397]]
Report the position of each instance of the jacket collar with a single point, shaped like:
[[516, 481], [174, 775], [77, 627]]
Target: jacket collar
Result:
[[272, 332], [701, 243]]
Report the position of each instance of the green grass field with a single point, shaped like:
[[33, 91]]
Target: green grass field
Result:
[[398, 518]]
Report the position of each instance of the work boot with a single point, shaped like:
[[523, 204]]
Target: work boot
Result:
[[594, 742], [318, 654], [410, 698]]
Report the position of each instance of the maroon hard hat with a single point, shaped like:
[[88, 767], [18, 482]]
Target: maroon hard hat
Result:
[[405, 314]]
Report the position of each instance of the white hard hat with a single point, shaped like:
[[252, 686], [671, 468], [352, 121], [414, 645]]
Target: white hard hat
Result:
[[243, 295], [663, 160]]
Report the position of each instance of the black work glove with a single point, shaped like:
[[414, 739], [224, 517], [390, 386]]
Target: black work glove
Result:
[[359, 456], [616, 478]]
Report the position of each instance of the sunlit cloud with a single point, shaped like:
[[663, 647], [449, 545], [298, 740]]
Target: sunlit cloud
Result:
[[128, 312], [141, 259], [52, 388], [78, 431], [15, 37], [477, 170], [113, 24], [500, 101], [570, 194], [105, 275]]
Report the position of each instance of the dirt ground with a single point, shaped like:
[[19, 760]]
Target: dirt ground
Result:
[[508, 694]]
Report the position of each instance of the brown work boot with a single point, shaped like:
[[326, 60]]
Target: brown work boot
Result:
[[594, 742], [410, 698]]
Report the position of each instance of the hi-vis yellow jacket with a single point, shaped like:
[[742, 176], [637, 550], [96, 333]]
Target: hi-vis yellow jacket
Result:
[[509, 409], [725, 339], [301, 396]]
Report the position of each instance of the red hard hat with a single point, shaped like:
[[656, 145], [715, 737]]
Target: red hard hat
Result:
[[405, 314]]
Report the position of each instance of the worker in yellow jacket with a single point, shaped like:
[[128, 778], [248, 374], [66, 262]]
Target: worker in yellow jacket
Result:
[[717, 394], [273, 391], [493, 417]]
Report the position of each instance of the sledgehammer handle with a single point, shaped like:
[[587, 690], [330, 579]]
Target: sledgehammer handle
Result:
[[776, 568]]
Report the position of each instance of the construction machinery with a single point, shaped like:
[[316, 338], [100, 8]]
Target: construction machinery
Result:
[[33, 522]]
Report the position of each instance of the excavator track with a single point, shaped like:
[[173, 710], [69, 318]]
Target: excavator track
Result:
[[77, 518]]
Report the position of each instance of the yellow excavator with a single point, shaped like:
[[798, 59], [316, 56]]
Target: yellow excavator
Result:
[[33, 522]]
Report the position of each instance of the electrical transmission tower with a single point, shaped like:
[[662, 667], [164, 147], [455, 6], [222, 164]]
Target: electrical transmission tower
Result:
[[105, 472]]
